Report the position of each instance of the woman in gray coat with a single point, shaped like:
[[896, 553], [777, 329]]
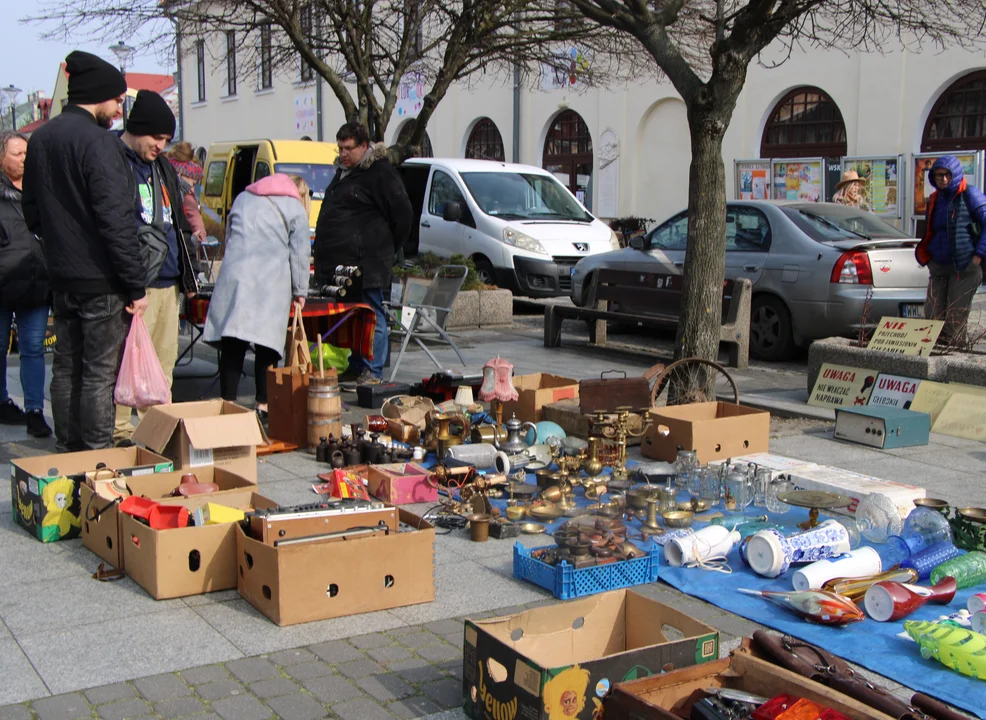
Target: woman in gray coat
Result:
[[266, 263]]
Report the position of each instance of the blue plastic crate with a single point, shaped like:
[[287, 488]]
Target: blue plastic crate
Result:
[[565, 582]]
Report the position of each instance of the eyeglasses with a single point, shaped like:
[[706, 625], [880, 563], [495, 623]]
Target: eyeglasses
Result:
[[346, 149], [940, 175]]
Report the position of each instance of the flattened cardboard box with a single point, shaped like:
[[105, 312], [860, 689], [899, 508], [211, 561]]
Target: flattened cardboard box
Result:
[[715, 431], [537, 390], [855, 486], [316, 581], [45, 490], [210, 432], [101, 518], [186, 561], [560, 661]]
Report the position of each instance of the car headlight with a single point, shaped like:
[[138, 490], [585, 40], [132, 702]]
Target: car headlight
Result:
[[522, 241], [614, 240]]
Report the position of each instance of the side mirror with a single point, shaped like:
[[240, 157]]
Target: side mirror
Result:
[[453, 211], [637, 242]]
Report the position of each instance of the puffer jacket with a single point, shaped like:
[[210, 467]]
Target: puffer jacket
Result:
[[365, 218], [951, 235], [23, 275]]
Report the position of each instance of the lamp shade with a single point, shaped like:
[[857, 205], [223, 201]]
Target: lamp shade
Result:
[[498, 381]]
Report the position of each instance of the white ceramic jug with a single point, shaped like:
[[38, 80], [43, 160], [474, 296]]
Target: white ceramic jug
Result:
[[709, 542]]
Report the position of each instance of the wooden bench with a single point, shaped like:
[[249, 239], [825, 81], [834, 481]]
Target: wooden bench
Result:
[[661, 294]]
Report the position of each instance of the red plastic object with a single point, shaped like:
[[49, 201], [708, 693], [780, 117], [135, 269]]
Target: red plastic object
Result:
[[137, 506], [167, 517]]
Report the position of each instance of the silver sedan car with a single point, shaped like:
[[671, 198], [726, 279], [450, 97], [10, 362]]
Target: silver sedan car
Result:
[[818, 269]]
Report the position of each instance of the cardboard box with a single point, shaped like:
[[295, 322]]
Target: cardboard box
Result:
[[209, 432], [856, 486], [190, 560], [537, 390], [316, 581], [101, 519], [521, 666], [670, 696], [714, 430], [45, 490], [287, 405], [401, 483]]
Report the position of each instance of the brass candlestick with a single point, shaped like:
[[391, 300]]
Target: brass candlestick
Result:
[[618, 429]]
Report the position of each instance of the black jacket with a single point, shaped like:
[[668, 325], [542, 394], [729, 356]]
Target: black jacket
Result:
[[365, 217], [77, 197], [23, 277]]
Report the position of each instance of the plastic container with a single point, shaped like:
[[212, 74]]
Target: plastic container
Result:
[[565, 582], [969, 570], [930, 558], [137, 506]]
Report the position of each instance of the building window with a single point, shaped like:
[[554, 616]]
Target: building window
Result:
[[230, 63], [200, 67], [805, 123], [568, 155], [425, 151], [958, 119], [485, 142], [266, 58], [305, 20], [565, 16]]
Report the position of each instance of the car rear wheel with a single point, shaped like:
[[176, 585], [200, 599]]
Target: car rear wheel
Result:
[[771, 334]]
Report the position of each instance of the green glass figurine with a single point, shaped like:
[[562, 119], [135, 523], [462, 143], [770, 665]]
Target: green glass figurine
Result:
[[956, 648]]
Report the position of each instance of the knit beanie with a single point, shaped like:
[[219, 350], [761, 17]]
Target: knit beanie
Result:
[[150, 115], [92, 80]]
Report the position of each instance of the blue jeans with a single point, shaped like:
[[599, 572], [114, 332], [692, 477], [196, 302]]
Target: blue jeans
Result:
[[381, 336], [31, 326]]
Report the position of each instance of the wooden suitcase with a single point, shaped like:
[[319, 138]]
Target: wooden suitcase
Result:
[[607, 394]]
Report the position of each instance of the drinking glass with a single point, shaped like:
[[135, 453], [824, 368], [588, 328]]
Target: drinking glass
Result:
[[761, 484], [778, 486], [710, 487]]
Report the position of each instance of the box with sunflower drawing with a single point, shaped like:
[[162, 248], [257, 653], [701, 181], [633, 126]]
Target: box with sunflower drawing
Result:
[[45, 489], [559, 662]]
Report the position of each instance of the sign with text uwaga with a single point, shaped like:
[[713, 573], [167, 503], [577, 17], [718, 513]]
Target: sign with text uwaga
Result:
[[906, 336], [842, 386]]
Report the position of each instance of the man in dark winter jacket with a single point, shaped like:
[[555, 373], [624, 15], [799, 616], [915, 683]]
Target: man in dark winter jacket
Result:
[[77, 198], [953, 247], [365, 219], [157, 201]]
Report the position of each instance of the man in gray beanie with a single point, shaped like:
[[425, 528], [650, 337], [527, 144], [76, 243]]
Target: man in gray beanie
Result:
[[78, 199], [158, 210]]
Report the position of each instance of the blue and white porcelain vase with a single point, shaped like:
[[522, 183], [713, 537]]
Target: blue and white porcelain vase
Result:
[[770, 553]]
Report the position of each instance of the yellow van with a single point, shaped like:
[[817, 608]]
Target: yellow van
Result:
[[231, 166]]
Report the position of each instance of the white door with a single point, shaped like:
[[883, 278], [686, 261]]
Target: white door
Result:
[[437, 235]]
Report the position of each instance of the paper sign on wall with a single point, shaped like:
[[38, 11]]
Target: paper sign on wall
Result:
[[905, 336], [931, 397], [894, 391], [842, 386], [964, 416]]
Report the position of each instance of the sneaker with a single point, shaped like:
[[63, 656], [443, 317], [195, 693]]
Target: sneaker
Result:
[[368, 379], [349, 376], [262, 417], [36, 425], [10, 414], [123, 443]]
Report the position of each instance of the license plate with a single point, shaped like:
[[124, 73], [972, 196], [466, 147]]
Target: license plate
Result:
[[912, 310], [571, 272]]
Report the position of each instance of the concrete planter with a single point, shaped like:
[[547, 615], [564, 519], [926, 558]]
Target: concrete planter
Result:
[[956, 367], [474, 309]]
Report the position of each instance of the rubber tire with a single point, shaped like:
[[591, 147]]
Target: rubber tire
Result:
[[484, 267], [783, 348]]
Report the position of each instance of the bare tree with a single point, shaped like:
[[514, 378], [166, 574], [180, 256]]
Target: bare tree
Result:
[[704, 48], [369, 46]]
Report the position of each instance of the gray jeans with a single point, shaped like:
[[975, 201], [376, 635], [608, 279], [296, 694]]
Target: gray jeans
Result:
[[90, 332], [950, 295]]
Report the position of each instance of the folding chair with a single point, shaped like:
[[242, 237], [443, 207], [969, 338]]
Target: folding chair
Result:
[[431, 314]]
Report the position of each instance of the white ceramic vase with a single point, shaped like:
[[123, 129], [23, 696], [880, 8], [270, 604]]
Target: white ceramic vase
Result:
[[858, 563], [770, 553], [709, 542]]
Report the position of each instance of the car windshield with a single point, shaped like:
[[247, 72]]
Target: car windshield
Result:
[[829, 221], [318, 177], [523, 196]]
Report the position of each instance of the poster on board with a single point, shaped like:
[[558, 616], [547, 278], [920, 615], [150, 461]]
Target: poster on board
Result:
[[752, 179], [881, 191], [799, 179], [922, 184]]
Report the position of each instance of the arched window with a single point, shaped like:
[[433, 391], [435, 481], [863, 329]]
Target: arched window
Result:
[[485, 142], [958, 119], [805, 123], [405, 133], [568, 155]]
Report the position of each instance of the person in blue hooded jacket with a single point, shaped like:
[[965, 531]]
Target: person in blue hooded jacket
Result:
[[953, 247]]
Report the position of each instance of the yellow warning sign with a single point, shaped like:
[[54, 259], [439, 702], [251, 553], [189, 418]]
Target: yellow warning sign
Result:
[[842, 386], [932, 397], [905, 336], [964, 416]]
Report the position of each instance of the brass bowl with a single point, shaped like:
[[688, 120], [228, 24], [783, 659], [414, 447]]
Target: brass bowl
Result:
[[544, 512], [973, 514], [638, 497], [933, 503], [694, 505], [532, 528], [679, 518], [548, 478], [516, 512]]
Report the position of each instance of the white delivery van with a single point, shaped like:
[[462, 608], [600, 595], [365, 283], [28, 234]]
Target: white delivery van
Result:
[[523, 229]]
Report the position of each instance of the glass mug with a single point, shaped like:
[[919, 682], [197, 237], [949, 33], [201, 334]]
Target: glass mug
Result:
[[685, 464], [737, 491], [778, 486], [761, 485], [710, 486]]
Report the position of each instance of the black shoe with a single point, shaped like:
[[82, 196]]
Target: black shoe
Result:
[[10, 414], [124, 443], [36, 425], [262, 417]]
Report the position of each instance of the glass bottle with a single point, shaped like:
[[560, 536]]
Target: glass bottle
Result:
[[968, 570], [927, 560]]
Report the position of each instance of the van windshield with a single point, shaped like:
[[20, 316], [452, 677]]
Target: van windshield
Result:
[[523, 196], [318, 177]]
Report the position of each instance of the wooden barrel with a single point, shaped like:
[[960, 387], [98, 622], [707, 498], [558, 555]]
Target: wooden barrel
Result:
[[324, 408]]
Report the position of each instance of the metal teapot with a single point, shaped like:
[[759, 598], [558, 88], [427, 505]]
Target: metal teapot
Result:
[[515, 443]]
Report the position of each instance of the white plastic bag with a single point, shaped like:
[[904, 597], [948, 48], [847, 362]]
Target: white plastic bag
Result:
[[141, 382]]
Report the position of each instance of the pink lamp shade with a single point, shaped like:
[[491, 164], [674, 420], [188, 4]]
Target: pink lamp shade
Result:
[[498, 381]]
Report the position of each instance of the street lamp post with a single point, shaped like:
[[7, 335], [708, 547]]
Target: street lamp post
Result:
[[123, 53], [12, 92]]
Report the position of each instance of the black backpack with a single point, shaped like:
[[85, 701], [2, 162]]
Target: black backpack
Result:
[[152, 238]]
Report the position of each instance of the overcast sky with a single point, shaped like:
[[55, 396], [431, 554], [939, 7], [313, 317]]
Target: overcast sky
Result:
[[30, 63]]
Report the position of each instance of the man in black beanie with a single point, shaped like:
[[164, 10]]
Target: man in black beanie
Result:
[[78, 199], [158, 210]]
